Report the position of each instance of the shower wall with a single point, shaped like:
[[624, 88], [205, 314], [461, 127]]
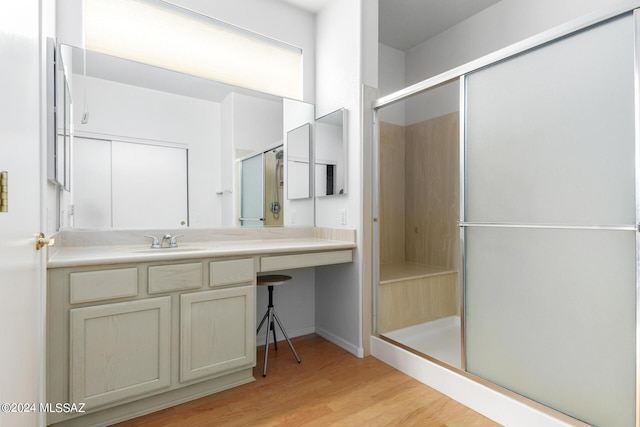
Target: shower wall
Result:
[[432, 192], [392, 193], [419, 192], [418, 214]]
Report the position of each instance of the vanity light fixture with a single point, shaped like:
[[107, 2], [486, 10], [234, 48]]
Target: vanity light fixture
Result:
[[164, 35]]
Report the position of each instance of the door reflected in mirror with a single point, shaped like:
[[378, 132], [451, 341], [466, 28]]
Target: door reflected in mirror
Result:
[[298, 162], [331, 154]]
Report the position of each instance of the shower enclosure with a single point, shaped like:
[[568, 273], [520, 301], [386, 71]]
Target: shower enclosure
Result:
[[419, 285], [261, 188], [545, 254]]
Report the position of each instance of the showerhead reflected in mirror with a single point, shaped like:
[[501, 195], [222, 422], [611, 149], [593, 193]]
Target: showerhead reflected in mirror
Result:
[[331, 154]]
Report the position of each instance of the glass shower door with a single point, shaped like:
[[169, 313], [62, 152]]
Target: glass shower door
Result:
[[550, 224], [252, 191]]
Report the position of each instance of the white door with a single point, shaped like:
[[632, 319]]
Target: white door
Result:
[[21, 349]]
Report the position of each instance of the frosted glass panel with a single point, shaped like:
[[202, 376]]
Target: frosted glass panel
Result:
[[252, 192], [550, 314], [550, 135]]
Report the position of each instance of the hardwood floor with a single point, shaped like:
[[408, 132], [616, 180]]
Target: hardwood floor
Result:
[[331, 387]]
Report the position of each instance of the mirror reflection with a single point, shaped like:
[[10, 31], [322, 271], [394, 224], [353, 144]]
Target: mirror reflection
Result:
[[298, 162], [154, 148], [261, 190], [59, 141], [330, 154]]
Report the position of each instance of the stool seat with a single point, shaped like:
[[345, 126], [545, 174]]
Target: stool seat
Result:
[[273, 280], [271, 318]]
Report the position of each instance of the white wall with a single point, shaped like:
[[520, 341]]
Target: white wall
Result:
[[345, 47], [338, 85], [129, 111], [256, 123]]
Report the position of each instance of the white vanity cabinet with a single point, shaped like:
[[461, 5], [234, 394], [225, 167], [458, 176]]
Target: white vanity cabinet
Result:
[[119, 350], [126, 339], [217, 331]]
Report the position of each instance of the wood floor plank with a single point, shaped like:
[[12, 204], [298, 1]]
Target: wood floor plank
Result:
[[330, 387]]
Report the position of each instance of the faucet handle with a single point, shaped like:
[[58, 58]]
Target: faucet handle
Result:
[[173, 243], [155, 244]]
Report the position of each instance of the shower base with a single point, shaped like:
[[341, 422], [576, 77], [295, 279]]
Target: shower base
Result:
[[439, 339]]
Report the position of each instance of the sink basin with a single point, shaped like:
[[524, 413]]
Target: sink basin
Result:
[[169, 250]]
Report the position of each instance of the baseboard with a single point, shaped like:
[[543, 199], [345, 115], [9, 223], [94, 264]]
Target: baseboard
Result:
[[499, 407], [340, 342]]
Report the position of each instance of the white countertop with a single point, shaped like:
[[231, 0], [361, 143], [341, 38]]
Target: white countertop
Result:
[[72, 256]]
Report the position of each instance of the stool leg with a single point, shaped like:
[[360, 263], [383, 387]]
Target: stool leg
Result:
[[286, 336], [266, 344], [262, 321], [275, 340], [271, 326]]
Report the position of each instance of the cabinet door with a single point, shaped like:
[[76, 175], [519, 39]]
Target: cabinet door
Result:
[[119, 350], [217, 332]]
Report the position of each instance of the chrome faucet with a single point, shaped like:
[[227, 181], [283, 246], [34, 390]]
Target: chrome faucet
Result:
[[155, 244], [172, 242], [158, 244]]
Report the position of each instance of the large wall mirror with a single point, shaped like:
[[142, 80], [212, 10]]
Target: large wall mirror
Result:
[[154, 148], [331, 154]]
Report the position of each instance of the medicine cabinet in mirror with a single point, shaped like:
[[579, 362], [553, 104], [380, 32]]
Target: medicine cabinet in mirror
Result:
[[299, 162], [331, 154], [199, 127], [59, 114]]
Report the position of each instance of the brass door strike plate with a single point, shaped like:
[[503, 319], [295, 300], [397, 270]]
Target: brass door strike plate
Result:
[[4, 191]]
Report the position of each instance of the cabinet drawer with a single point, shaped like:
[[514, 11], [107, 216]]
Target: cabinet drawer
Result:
[[167, 278], [101, 285], [285, 262], [231, 272]]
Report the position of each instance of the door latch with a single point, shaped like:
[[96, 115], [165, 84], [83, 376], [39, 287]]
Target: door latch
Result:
[[41, 241]]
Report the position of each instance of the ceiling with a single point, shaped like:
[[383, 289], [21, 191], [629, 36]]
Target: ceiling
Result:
[[404, 24]]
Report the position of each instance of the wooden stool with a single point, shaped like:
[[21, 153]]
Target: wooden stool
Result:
[[270, 281]]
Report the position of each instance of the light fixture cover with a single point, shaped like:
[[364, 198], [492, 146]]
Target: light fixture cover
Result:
[[167, 36]]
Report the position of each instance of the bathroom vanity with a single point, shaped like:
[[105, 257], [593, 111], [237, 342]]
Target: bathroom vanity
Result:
[[133, 329]]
